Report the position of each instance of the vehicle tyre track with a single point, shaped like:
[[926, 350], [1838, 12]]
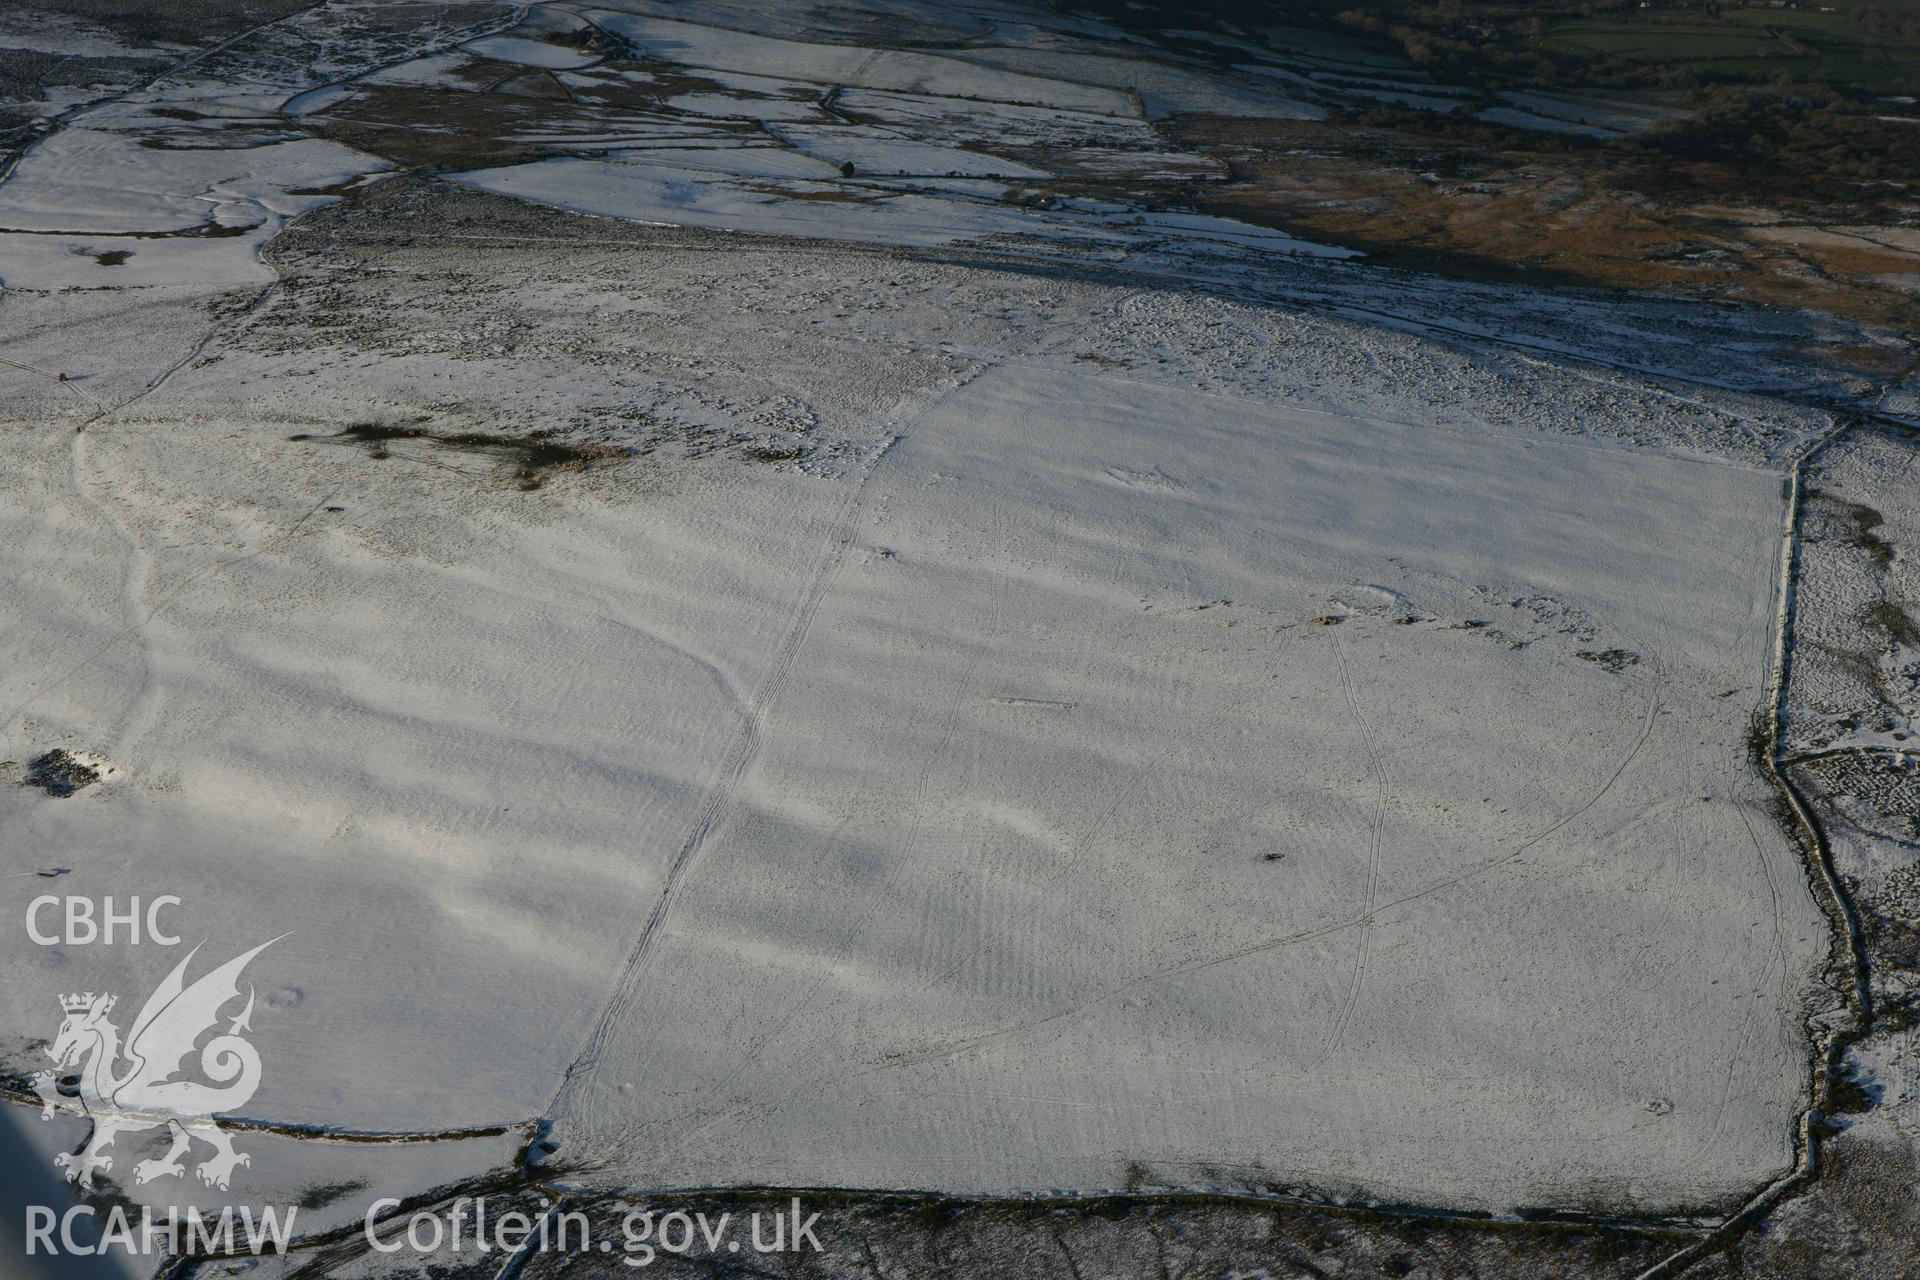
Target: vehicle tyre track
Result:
[[1383, 794], [1307, 935], [718, 802]]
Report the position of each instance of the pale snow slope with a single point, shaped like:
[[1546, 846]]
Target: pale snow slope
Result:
[[450, 773], [1016, 822], [983, 748], [1070, 840]]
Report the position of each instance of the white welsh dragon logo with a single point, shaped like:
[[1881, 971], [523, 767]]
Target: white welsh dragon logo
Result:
[[143, 1094]]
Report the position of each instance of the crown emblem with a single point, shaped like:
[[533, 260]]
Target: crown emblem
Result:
[[78, 1003]]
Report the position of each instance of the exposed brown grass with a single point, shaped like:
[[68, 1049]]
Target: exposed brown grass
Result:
[[1559, 214]]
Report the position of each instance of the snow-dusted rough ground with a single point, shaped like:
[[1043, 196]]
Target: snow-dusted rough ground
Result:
[[969, 695]]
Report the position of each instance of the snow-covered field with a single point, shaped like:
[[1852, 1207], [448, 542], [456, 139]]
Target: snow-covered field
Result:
[[1046, 773], [1163, 779], [763, 673]]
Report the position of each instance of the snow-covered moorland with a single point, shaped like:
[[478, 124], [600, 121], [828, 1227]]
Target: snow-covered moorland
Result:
[[754, 628]]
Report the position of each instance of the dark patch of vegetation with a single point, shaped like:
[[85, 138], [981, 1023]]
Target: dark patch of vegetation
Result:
[[1788, 140], [1759, 740], [190, 21], [1896, 1015], [773, 453], [1885, 615], [1614, 660], [1863, 524], [340, 188], [935, 1213], [1894, 943], [933, 1235], [331, 1193], [199, 231], [1851, 1091], [450, 129], [590, 39], [113, 257], [60, 773], [1623, 43], [1468, 137], [1782, 102], [527, 457]]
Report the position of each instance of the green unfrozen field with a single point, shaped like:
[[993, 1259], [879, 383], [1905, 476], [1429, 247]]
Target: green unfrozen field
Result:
[[1744, 43]]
